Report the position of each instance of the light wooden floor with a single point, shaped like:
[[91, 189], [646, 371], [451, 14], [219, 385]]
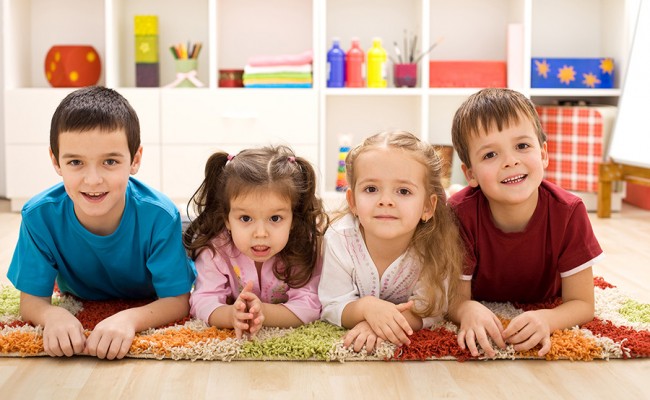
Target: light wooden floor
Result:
[[624, 237]]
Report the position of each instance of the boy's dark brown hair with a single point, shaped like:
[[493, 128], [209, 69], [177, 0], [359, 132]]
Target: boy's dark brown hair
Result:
[[489, 108], [272, 168], [95, 107]]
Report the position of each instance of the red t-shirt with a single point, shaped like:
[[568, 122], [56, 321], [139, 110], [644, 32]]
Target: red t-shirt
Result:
[[525, 266]]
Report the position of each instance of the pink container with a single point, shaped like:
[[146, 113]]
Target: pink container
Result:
[[405, 75]]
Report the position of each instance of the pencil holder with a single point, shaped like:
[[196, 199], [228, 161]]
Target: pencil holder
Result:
[[405, 75], [186, 73]]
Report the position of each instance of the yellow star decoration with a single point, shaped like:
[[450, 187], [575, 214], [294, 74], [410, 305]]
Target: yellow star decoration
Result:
[[144, 47], [542, 68], [590, 80], [566, 74], [607, 65]]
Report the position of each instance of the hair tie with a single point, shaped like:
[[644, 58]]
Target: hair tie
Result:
[[230, 157], [291, 159]]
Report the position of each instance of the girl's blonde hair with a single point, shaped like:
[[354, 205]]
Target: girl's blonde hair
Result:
[[437, 242], [272, 168]]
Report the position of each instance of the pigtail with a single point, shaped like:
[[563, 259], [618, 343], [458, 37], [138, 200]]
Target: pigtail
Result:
[[301, 254], [208, 204]]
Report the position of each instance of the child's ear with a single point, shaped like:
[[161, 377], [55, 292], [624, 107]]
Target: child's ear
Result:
[[469, 175], [55, 162], [430, 208], [137, 159], [349, 196], [545, 155]]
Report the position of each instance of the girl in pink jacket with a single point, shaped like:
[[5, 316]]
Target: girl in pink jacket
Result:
[[256, 241]]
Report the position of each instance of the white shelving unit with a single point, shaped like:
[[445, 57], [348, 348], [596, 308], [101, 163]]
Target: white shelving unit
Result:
[[181, 127]]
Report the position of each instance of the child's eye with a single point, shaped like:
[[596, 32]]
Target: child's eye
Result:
[[74, 163], [522, 146], [370, 189], [403, 191], [276, 218], [245, 218], [111, 162], [489, 155]]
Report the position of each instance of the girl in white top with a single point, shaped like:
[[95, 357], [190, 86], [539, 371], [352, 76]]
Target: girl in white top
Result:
[[393, 260]]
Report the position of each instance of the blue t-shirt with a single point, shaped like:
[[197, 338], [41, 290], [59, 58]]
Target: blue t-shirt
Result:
[[143, 259]]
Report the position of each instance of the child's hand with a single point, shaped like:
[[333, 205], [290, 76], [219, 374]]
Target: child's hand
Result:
[[63, 334], [362, 336], [527, 330], [387, 321], [112, 337], [247, 312], [477, 322]]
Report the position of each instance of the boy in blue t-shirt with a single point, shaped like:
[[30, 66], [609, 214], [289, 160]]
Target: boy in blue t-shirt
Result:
[[100, 233]]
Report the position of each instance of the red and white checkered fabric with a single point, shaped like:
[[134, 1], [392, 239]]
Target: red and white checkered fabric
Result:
[[575, 146]]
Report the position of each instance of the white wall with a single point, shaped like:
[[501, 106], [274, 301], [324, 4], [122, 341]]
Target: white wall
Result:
[[3, 172]]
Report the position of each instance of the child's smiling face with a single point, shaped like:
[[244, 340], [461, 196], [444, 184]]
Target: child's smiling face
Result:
[[95, 166], [508, 165]]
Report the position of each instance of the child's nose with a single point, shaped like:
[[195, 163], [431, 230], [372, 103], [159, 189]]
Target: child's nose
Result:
[[93, 176], [511, 160], [260, 230], [386, 200]]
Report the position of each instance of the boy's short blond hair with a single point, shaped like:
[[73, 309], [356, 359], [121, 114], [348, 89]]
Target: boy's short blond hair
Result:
[[489, 108]]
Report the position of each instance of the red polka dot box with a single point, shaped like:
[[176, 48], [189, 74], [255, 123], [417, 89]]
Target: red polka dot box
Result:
[[72, 66]]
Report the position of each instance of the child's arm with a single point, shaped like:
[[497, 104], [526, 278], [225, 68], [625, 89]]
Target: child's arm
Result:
[[63, 334], [532, 327], [385, 318], [113, 336], [477, 322]]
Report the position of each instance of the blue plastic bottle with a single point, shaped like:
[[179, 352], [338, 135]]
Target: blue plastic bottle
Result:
[[336, 65]]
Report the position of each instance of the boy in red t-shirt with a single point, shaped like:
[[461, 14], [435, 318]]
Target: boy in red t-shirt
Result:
[[527, 239]]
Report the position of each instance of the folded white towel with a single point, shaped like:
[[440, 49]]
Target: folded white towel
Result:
[[249, 69]]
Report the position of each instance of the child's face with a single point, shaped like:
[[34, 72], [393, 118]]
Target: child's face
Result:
[[507, 165], [95, 167], [259, 224], [390, 195]]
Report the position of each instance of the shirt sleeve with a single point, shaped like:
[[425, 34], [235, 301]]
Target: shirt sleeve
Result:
[[32, 269], [171, 269], [580, 249], [303, 301], [337, 288], [212, 286]]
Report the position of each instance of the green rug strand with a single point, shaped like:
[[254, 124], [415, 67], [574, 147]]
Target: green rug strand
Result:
[[635, 311], [312, 341], [9, 301]]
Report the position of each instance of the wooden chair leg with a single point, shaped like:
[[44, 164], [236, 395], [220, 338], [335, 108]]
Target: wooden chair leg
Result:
[[604, 199], [607, 173]]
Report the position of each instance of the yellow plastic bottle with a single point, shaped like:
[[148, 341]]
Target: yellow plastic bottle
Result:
[[376, 76]]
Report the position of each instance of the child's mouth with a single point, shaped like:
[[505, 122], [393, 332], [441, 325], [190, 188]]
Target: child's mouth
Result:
[[94, 196], [260, 251], [514, 179]]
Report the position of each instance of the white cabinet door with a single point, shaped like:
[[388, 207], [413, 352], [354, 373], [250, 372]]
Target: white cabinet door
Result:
[[239, 116]]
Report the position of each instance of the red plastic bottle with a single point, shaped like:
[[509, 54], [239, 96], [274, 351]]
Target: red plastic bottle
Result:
[[354, 65]]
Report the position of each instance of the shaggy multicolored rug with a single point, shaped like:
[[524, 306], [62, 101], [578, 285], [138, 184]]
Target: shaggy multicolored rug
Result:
[[621, 329]]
